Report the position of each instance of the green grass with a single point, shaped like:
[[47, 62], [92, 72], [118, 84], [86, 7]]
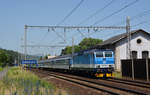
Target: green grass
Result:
[[1, 69], [117, 74], [21, 82]]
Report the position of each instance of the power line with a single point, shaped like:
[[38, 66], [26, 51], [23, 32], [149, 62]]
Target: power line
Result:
[[143, 22], [43, 45], [44, 36], [57, 34], [98, 11], [64, 19], [78, 27], [81, 33], [71, 12], [126, 6], [147, 12], [141, 14]]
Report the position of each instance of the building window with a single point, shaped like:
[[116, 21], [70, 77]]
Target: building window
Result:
[[134, 54], [145, 54], [139, 41]]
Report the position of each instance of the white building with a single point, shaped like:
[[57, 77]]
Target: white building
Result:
[[140, 46], [51, 57]]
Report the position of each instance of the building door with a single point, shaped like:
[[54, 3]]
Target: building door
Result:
[[145, 54], [134, 54]]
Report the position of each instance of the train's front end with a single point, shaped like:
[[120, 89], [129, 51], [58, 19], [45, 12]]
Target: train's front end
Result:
[[104, 63]]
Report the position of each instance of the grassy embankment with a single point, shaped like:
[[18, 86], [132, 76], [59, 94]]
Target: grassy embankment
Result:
[[1, 69], [21, 82]]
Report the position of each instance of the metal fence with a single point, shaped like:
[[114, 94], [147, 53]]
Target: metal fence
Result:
[[136, 68]]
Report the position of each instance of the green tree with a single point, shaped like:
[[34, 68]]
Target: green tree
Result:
[[41, 58], [45, 57], [83, 45], [3, 58], [89, 43], [77, 48], [67, 50], [49, 55]]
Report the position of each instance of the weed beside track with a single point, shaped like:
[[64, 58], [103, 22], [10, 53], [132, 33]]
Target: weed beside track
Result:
[[21, 82]]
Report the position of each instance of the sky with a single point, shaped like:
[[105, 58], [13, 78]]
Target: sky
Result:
[[14, 14]]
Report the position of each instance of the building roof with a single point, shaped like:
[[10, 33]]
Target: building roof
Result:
[[119, 37]]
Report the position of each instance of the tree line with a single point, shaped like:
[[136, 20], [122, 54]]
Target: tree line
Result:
[[7, 57], [10, 57], [86, 43]]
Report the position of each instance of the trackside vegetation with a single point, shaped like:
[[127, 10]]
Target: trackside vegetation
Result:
[[10, 57], [117, 74], [20, 82], [1, 69]]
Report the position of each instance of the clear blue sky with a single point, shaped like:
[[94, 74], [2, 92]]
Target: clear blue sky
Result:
[[14, 14]]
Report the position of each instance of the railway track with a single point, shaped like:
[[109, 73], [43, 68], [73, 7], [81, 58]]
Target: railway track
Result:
[[138, 83], [112, 87]]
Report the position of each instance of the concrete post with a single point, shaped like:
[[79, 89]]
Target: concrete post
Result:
[[147, 69], [132, 69]]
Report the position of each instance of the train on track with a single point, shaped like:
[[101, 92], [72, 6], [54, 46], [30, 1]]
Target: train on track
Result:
[[95, 62]]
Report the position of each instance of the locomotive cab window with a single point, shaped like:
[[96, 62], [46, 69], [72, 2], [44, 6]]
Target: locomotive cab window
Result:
[[108, 54], [99, 54]]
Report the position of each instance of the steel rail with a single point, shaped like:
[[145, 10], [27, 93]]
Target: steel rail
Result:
[[136, 82], [106, 85]]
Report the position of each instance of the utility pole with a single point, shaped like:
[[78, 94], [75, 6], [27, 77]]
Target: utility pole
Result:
[[25, 42], [88, 33], [128, 45], [72, 49], [64, 35], [72, 46], [18, 58]]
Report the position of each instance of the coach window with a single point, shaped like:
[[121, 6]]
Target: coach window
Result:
[[145, 54], [134, 54]]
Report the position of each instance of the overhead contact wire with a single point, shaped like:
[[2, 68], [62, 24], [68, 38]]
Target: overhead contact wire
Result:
[[126, 6], [97, 12], [71, 12]]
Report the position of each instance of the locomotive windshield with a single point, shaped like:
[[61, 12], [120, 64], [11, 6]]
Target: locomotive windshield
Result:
[[99, 54], [108, 54], [104, 54]]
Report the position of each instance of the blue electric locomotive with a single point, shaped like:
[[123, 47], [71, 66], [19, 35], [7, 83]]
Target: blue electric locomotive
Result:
[[99, 63]]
